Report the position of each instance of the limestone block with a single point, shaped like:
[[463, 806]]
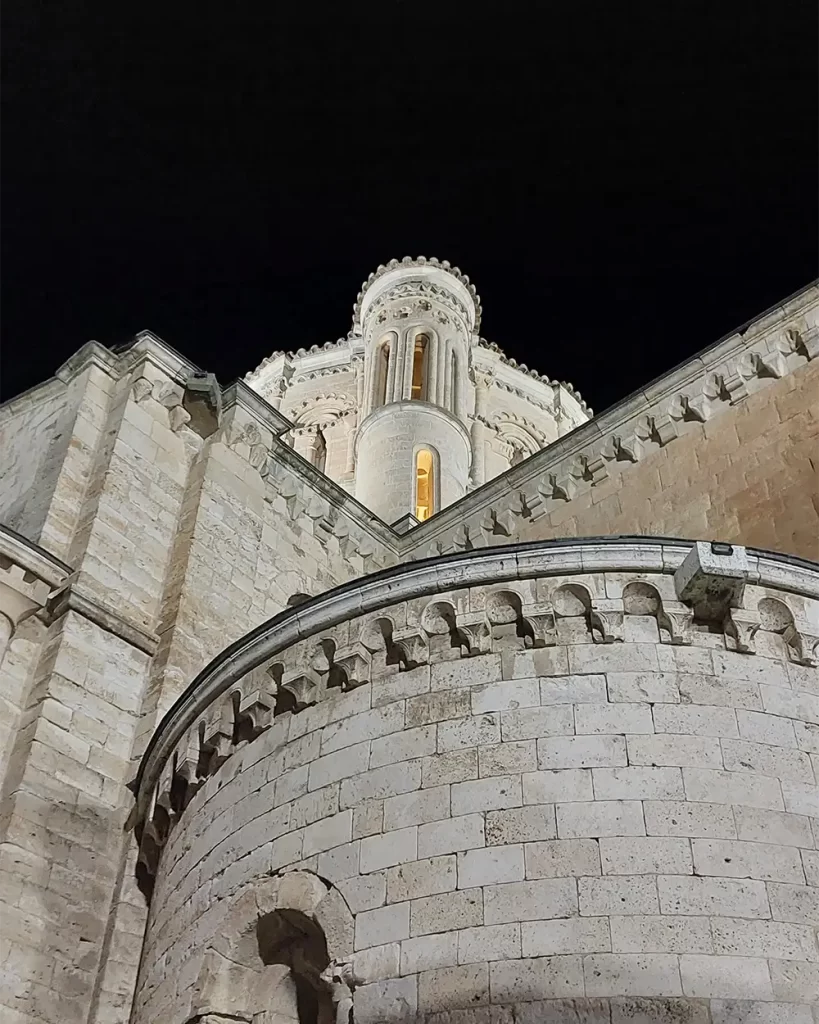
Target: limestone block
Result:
[[744, 1011], [486, 794], [796, 982], [606, 719], [725, 977], [364, 892], [581, 752], [615, 895], [550, 977], [655, 934], [416, 808], [737, 859], [455, 766], [490, 942], [801, 798], [327, 833], [682, 751], [429, 952], [586, 689], [559, 785], [392, 1000], [651, 687], [595, 658], [447, 912], [521, 824], [778, 827], [468, 732], [438, 707], [775, 939], [339, 765], [724, 787], [368, 818], [632, 974], [377, 963], [637, 783], [379, 783], [409, 744], [452, 988], [763, 728], [637, 856], [490, 865], [422, 878], [384, 851], [601, 818], [795, 903], [383, 925], [727, 692], [507, 758], [530, 901], [659, 1011], [554, 720], [464, 832], [340, 862], [452, 675], [696, 720], [810, 862], [505, 696], [561, 858], [367, 725], [716, 897], [778, 762], [678, 818]]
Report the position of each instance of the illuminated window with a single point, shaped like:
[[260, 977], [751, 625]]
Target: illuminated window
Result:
[[424, 485], [419, 366], [381, 370]]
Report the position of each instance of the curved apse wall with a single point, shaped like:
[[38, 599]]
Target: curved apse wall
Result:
[[553, 781]]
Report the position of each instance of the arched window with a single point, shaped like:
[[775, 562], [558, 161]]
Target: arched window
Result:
[[424, 485], [381, 371], [419, 367]]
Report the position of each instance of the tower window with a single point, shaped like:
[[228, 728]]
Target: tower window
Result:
[[424, 485], [382, 366], [419, 366]]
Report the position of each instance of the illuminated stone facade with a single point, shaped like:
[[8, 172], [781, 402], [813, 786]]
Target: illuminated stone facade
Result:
[[490, 773]]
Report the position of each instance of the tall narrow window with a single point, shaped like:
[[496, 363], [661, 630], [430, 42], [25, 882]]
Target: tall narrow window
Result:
[[381, 370], [419, 365], [424, 485]]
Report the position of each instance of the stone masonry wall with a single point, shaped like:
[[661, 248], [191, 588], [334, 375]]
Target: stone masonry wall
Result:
[[624, 830], [750, 475]]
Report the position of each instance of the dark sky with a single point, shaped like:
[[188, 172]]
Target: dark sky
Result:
[[623, 182]]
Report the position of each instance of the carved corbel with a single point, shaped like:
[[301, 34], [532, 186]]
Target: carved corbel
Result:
[[752, 366], [740, 627], [682, 411], [719, 388], [615, 450], [656, 431], [675, 620], [354, 662], [793, 343], [414, 647], [461, 540], [303, 686], [141, 388], [801, 645], [541, 619], [476, 633], [216, 737], [606, 621]]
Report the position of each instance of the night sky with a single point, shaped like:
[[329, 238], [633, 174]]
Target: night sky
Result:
[[624, 183]]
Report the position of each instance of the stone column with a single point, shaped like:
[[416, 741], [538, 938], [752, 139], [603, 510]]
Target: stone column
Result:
[[432, 368], [6, 629], [307, 442], [483, 381], [395, 376]]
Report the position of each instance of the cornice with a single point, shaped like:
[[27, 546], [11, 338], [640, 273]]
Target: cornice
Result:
[[428, 577]]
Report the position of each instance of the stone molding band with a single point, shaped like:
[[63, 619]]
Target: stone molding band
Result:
[[432, 576]]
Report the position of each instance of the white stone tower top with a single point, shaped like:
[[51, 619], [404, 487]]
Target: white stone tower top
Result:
[[413, 380]]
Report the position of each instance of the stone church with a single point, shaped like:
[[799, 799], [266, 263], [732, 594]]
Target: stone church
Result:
[[390, 684]]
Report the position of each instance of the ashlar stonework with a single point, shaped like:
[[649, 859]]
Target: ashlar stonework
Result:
[[317, 707]]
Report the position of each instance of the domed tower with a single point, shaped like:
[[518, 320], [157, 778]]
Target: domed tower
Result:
[[417, 319]]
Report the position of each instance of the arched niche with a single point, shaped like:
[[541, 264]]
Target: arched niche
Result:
[[278, 956]]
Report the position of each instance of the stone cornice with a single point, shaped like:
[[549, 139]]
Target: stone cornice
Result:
[[33, 559], [71, 598], [429, 577]]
